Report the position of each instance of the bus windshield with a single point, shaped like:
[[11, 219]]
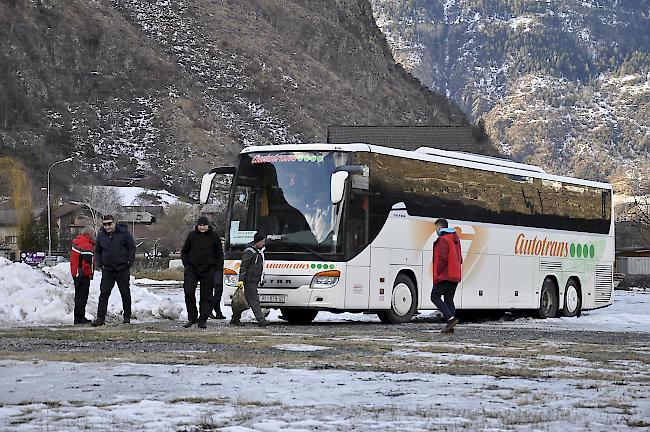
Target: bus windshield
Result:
[[286, 195]]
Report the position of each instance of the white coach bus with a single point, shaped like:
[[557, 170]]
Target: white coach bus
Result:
[[350, 228]]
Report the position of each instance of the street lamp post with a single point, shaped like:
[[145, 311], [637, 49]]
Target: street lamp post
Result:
[[49, 229]]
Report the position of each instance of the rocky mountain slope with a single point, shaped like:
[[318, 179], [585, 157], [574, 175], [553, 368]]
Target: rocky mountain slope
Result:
[[562, 84], [153, 93]]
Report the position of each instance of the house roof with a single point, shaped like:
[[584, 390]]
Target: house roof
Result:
[[141, 217], [455, 138], [62, 210]]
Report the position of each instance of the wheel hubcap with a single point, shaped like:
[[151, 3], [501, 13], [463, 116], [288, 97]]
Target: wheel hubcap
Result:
[[571, 299], [402, 299]]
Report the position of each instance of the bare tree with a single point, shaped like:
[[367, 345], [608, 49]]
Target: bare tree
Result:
[[99, 201], [170, 230]]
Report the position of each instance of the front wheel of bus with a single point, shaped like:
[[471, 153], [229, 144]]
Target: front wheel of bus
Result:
[[403, 302], [298, 316], [548, 300], [572, 299]]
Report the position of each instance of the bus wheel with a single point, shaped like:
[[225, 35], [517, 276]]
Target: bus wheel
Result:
[[572, 299], [548, 300], [403, 302], [299, 316]]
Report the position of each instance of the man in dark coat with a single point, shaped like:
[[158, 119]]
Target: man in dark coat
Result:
[[82, 267], [201, 254], [115, 254], [250, 275]]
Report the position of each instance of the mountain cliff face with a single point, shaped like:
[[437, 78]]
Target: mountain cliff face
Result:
[[154, 93], [562, 84]]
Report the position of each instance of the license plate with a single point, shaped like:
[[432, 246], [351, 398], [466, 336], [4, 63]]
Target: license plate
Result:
[[269, 298]]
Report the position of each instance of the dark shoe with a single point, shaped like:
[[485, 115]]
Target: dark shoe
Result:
[[212, 316], [189, 324], [263, 322], [82, 321], [219, 315], [202, 324], [126, 320], [236, 323], [97, 323], [450, 325], [445, 331]]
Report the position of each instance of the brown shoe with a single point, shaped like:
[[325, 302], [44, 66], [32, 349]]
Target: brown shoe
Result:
[[450, 325], [97, 323], [189, 324]]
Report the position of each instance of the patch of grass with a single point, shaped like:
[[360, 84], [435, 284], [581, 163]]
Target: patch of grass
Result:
[[196, 400], [257, 403], [640, 423], [160, 275]]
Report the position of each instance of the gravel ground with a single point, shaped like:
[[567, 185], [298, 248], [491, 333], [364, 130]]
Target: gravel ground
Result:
[[493, 348]]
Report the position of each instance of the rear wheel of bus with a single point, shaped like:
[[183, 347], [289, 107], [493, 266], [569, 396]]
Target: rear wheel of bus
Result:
[[403, 302], [572, 299], [298, 316]]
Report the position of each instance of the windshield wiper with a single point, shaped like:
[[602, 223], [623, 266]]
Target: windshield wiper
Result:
[[300, 245]]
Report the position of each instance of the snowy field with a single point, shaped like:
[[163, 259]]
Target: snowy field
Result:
[[562, 391]]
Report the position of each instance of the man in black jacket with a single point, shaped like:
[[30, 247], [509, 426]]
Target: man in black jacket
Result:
[[201, 254], [114, 254], [250, 275]]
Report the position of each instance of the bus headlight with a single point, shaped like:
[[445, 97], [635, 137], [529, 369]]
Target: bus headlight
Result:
[[230, 277], [325, 279]]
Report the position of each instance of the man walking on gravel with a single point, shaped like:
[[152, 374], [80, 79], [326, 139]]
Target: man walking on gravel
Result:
[[201, 254], [250, 275], [115, 254], [447, 261]]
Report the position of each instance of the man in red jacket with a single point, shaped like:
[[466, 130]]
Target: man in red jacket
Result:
[[447, 261], [82, 267]]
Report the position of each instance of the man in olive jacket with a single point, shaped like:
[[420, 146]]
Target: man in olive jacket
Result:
[[201, 254], [115, 254], [250, 275]]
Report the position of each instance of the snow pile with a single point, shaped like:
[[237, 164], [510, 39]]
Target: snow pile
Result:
[[46, 296]]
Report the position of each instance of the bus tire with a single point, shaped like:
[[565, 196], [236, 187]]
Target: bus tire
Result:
[[548, 300], [298, 316], [572, 299], [403, 303]]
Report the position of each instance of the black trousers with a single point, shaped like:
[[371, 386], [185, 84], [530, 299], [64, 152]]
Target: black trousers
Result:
[[447, 289], [206, 297], [81, 288], [109, 278], [218, 292]]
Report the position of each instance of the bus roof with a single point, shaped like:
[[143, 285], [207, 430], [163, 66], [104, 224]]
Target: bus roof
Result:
[[470, 160]]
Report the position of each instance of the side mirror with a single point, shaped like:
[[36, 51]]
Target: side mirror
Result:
[[206, 185], [337, 186], [206, 182]]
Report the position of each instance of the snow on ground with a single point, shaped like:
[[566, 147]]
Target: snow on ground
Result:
[[32, 296], [102, 397], [109, 396]]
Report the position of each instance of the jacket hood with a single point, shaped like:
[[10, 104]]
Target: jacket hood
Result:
[[83, 239]]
